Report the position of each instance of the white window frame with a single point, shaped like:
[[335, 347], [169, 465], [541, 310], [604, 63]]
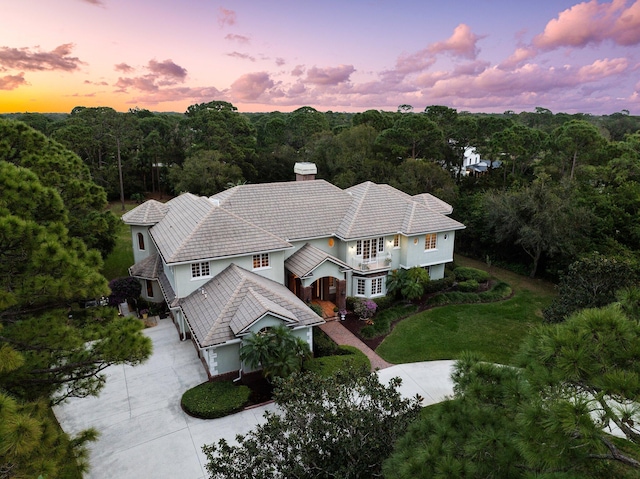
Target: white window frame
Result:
[[361, 286], [262, 260], [377, 286], [396, 241], [200, 270]]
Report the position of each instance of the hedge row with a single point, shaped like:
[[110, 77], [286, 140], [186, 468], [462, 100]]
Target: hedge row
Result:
[[466, 274], [500, 291], [215, 399]]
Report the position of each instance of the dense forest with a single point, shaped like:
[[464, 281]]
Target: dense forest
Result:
[[558, 186]]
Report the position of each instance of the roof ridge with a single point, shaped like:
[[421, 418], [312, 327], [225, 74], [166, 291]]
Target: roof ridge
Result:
[[366, 185]]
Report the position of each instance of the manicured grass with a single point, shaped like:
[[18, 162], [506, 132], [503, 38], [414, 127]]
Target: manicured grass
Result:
[[116, 265], [329, 365], [493, 330]]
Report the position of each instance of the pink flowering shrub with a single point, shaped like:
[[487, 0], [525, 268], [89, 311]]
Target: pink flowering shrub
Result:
[[365, 308]]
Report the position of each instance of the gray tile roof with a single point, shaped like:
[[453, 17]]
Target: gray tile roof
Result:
[[195, 229], [148, 268], [379, 210], [148, 213], [434, 203], [235, 299], [291, 210], [308, 258], [167, 290]]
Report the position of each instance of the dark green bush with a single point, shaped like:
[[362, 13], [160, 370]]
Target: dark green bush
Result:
[[323, 345], [466, 274], [384, 302], [382, 321], [351, 301], [329, 365], [215, 399], [499, 291], [440, 284], [316, 308], [468, 286]]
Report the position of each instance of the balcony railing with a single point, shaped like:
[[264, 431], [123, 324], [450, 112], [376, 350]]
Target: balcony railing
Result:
[[380, 262]]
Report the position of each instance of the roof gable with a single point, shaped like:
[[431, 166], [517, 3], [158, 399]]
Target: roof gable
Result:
[[229, 303]]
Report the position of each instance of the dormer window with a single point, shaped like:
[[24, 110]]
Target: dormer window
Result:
[[140, 241], [430, 241]]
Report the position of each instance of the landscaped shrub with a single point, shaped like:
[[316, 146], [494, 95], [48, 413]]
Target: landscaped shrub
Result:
[[468, 286], [215, 399], [351, 301], [500, 291], [329, 365], [365, 308], [323, 345], [436, 285], [384, 302], [466, 274], [123, 289], [383, 320]]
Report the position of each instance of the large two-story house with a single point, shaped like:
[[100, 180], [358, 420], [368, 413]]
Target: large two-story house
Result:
[[255, 256]]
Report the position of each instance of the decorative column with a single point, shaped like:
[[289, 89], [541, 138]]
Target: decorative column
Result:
[[341, 294]]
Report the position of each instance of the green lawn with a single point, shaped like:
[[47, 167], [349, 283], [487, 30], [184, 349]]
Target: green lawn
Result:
[[493, 330], [116, 265]]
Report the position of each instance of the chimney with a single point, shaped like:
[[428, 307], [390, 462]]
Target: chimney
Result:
[[305, 171]]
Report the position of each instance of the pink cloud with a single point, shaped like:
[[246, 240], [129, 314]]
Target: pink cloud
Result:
[[280, 61], [167, 69], [190, 95], [592, 23], [236, 38], [415, 62], [241, 56], [226, 17], [462, 43], [25, 59], [251, 86], [329, 76], [602, 69], [11, 82], [521, 55], [123, 67], [298, 71]]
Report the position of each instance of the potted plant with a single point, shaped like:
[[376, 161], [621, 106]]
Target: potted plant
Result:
[[343, 314], [144, 313]]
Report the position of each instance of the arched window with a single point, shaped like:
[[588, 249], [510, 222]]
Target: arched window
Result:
[[140, 241]]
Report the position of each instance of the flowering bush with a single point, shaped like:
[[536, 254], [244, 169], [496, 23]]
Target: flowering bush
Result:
[[365, 308]]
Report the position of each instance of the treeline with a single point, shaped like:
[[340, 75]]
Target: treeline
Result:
[[557, 186]]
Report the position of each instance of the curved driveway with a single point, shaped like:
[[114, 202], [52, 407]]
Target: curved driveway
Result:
[[145, 434]]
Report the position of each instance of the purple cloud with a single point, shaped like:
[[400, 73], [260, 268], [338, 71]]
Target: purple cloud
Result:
[[329, 76], [237, 38], [462, 43], [241, 56], [251, 86], [167, 69], [25, 59], [226, 17], [124, 68]]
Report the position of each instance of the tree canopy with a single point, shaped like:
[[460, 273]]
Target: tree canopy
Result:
[[338, 426]]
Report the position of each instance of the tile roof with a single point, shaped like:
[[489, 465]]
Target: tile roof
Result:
[[148, 213], [434, 203], [233, 300], [195, 228], [379, 210], [147, 268], [308, 258], [291, 210]]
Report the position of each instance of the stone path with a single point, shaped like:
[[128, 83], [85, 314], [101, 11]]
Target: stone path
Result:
[[341, 335]]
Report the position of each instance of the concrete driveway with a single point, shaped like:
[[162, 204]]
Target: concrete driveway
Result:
[[145, 434]]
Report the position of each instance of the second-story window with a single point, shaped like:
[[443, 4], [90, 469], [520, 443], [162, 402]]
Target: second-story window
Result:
[[140, 241], [199, 270], [260, 260], [430, 241]]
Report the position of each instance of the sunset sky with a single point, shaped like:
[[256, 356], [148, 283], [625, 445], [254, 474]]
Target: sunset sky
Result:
[[348, 55]]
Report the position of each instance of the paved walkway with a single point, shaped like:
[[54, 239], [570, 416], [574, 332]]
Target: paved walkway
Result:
[[341, 335], [145, 434]]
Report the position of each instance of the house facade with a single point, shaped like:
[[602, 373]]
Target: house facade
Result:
[[254, 256]]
